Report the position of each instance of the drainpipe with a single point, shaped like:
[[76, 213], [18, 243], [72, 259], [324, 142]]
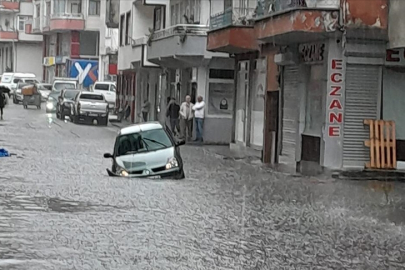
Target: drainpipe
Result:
[[14, 57]]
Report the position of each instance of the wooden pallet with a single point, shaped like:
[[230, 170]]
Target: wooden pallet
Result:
[[382, 144]]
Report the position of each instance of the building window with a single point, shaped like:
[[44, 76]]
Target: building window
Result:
[[157, 18], [127, 29], [76, 7], [94, 7], [187, 12], [122, 29], [21, 22], [59, 6]]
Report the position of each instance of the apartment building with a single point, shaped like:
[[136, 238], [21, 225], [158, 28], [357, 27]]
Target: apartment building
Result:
[[163, 54], [15, 45], [309, 73], [77, 42]]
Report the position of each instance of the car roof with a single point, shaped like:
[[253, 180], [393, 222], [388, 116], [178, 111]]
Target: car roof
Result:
[[140, 127], [21, 75]]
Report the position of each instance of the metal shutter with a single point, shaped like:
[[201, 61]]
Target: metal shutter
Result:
[[290, 114], [363, 83]]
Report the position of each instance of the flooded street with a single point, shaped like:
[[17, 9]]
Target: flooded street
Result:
[[60, 210]]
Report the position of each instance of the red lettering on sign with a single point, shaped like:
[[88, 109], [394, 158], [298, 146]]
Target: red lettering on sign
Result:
[[337, 64], [392, 56], [336, 77], [335, 104], [334, 131], [335, 90], [336, 117]]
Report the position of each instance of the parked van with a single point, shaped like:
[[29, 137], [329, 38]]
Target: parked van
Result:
[[11, 80]]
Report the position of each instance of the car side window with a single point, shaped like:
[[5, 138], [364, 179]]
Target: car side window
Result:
[[17, 81], [112, 89]]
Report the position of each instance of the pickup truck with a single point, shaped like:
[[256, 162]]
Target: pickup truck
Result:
[[108, 89], [90, 107]]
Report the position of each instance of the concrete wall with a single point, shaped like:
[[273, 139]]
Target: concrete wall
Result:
[[29, 58], [396, 24]]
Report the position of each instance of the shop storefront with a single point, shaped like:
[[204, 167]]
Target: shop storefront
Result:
[[249, 105], [302, 105]]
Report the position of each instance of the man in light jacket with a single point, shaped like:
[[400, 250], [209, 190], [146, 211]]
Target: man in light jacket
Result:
[[198, 109], [186, 119]]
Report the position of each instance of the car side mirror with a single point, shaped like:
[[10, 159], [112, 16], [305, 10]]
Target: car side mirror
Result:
[[181, 142], [108, 155]]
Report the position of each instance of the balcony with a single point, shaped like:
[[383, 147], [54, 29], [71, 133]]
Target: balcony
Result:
[[232, 31], [27, 35], [9, 6], [8, 35], [182, 45], [135, 56], [62, 22], [284, 22]]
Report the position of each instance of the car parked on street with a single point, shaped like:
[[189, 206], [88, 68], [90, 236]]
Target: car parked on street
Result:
[[64, 83], [146, 150], [108, 89], [11, 79], [89, 107], [64, 103]]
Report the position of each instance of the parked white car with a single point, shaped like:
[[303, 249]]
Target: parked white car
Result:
[[108, 90], [11, 80]]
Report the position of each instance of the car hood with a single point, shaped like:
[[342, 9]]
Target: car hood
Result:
[[148, 160]]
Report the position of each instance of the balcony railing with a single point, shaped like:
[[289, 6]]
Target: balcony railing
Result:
[[36, 25], [232, 16], [266, 8], [9, 5], [67, 16], [181, 29]]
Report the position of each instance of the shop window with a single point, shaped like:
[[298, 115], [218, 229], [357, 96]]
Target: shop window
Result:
[[220, 98], [314, 116]]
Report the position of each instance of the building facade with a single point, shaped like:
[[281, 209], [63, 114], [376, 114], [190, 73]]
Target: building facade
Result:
[[77, 43], [163, 48], [15, 45], [329, 64]]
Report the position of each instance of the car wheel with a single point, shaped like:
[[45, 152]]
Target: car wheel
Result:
[[180, 175]]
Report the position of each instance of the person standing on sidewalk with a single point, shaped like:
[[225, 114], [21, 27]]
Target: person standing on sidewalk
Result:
[[186, 119], [173, 112], [198, 109], [145, 110], [2, 103]]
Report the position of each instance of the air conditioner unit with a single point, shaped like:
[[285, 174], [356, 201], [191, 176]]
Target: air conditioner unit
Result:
[[178, 75], [194, 74]]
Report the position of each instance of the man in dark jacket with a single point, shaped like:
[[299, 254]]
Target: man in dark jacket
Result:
[[173, 112], [2, 103]]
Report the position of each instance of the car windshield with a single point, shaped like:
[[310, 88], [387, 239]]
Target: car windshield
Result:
[[54, 94], [91, 97], [144, 141], [61, 86], [102, 87], [70, 94], [31, 81]]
